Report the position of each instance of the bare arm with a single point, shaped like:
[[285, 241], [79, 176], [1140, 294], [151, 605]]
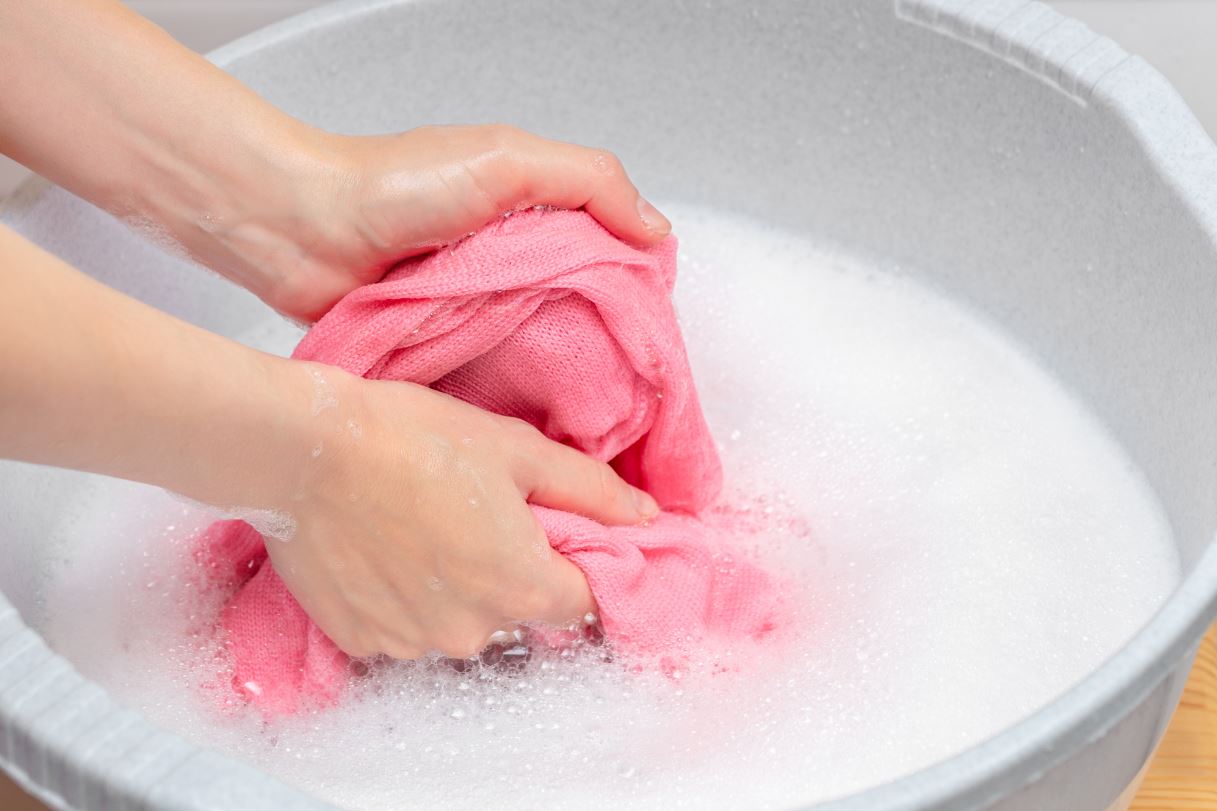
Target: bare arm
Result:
[[93, 380], [110, 107]]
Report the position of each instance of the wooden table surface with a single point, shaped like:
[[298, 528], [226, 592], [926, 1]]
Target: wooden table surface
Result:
[[1183, 776]]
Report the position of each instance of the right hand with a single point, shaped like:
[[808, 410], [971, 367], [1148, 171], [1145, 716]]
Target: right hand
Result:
[[413, 532]]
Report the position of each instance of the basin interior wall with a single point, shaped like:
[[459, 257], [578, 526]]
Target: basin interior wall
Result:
[[880, 128]]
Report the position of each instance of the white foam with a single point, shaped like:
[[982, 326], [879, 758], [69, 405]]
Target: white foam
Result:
[[977, 544]]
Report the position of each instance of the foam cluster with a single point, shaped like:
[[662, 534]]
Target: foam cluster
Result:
[[964, 539]]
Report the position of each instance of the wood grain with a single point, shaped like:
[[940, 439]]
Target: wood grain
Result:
[[1183, 776]]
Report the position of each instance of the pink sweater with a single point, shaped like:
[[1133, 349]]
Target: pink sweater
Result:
[[547, 317]]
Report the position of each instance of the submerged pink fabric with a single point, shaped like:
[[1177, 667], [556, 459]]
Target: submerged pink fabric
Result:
[[547, 317]]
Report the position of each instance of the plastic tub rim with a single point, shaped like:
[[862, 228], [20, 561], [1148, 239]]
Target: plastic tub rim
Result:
[[1001, 765]]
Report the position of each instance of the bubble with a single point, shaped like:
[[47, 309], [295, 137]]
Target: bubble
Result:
[[276, 524], [952, 522]]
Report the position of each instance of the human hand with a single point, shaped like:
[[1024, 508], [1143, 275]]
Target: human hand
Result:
[[165, 140], [298, 216], [355, 206], [405, 511], [412, 532]]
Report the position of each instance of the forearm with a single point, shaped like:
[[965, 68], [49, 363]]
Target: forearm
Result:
[[106, 104], [93, 380]]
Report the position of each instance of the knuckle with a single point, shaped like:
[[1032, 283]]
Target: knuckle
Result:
[[463, 644], [607, 163], [520, 430], [501, 137], [492, 162], [606, 483], [533, 603], [357, 646], [403, 650]]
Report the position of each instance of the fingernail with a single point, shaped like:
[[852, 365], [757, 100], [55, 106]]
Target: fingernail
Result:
[[645, 505], [652, 219]]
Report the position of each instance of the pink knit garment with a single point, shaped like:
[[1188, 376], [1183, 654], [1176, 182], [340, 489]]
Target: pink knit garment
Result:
[[544, 316]]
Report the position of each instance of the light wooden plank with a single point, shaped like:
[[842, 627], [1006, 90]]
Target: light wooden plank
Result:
[[1183, 776]]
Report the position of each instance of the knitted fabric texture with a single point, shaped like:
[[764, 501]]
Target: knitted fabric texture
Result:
[[547, 317]]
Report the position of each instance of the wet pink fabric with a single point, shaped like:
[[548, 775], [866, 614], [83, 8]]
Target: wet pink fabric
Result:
[[544, 316]]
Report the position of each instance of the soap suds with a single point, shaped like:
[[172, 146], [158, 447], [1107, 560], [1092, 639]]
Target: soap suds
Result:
[[969, 543]]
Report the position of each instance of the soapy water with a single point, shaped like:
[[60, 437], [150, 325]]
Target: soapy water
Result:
[[966, 540]]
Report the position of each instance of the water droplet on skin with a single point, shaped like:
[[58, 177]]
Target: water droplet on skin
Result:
[[355, 429], [323, 393], [435, 584], [317, 450], [473, 502], [395, 738]]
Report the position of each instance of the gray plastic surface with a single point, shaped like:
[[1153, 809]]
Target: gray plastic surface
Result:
[[994, 148]]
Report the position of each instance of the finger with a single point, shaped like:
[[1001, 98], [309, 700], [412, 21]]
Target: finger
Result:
[[463, 640], [402, 650], [573, 598], [353, 644], [553, 173], [554, 475], [564, 596]]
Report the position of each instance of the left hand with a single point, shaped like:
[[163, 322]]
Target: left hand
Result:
[[110, 107], [361, 204]]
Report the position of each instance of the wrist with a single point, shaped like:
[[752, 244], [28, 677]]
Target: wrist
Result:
[[237, 209], [247, 428], [287, 442]]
